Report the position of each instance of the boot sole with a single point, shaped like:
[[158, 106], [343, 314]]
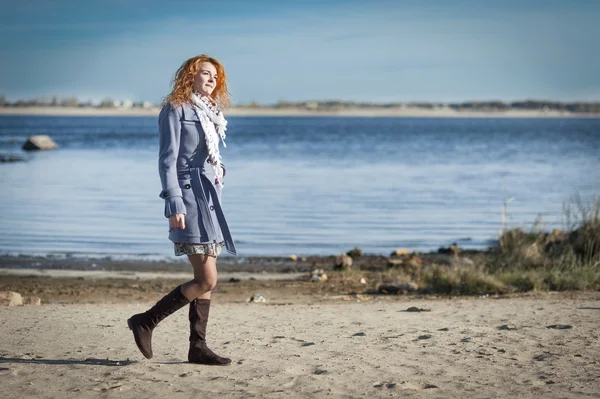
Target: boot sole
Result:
[[210, 364]]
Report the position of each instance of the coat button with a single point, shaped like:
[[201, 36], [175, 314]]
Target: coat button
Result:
[[187, 186], [212, 208]]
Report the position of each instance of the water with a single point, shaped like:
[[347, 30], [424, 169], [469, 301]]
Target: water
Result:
[[297, 185]]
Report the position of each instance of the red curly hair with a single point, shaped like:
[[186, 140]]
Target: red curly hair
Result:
[[183, 82]]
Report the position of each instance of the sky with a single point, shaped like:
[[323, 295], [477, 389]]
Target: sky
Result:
[[375, 51]]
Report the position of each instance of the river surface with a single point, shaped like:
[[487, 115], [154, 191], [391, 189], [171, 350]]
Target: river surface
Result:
[[298, 185]]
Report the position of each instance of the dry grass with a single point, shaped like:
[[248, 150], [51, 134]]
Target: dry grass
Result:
[[557, 260], [534, 260]]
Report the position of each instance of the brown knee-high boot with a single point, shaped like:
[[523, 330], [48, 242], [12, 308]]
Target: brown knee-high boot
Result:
[[142, 324], [199, 352]]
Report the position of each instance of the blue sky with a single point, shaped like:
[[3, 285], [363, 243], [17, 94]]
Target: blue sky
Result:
[[299, 50]]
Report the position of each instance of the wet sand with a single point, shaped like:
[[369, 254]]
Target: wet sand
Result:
[[363, 347]]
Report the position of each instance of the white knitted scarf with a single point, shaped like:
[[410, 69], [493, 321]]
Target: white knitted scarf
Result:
[[214, 125]]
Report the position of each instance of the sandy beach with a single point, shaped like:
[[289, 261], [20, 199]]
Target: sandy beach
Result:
[[444, 112], [543, 345]]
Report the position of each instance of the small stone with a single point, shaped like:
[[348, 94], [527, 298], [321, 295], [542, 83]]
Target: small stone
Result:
[[363, 281], [453, 249], [416, 309], [542, 357], [355, 253], [430, 386], [343, 262], [10, 298], [400, 252], [506, 327], [378, 385], [410, 264], [424, 336], [390, 385], [397, 288], [257, 299], [465, 340], [293, 257], [307, 344], [560, 326], [443, 329], [320, 371], [318, 275], [359, 334]]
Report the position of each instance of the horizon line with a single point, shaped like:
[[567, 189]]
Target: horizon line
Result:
[[46, 101]]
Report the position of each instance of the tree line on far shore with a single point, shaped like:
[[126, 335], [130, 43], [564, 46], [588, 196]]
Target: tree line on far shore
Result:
[[333, 105], [528, 105]]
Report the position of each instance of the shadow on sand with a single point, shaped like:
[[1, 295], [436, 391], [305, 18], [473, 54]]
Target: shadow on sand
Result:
[[89, 361]]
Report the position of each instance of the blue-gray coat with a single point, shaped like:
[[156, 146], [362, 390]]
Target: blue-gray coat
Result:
[[188, 179]]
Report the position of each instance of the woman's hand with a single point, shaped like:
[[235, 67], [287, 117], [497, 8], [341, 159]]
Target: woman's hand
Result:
[[177, 220]]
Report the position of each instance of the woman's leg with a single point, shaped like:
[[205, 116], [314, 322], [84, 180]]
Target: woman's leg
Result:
[[198, 291], [205, 277]]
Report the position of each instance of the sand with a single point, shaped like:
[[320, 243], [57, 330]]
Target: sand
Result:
[[328, 348]]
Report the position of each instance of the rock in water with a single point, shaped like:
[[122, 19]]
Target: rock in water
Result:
[[41, 142], [11, 158]]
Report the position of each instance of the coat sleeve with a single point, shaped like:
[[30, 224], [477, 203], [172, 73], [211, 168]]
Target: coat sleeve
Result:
[[169, 133]]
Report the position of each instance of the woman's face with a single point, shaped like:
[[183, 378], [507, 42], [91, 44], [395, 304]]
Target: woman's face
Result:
[[206, 79]]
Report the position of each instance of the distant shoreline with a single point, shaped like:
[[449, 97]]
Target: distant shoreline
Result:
[[285, 112]]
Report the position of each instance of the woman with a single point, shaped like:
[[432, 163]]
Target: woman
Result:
[[190, 129]]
